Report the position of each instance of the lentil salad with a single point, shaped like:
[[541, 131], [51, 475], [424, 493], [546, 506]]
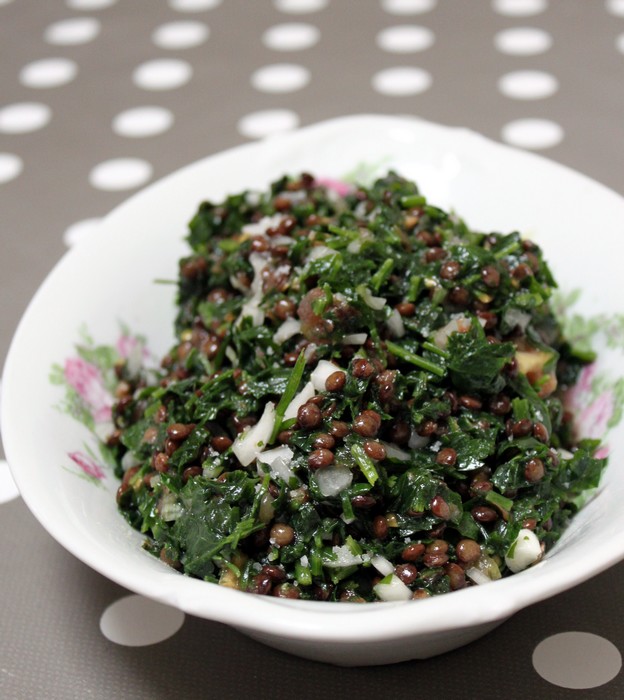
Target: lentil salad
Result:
[[364, 401]]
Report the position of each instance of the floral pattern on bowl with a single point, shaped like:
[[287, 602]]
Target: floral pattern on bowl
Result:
[[89, 381]]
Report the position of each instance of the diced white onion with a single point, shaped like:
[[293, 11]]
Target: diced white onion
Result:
[[103, 430], [168, 507], [477, 576], [302, 397], [354, 246], [375, 303], [355, 339], [290, 327], [515, 317], [309, 351], [252, 310], [278, 460], [382, 565], [564, 454], [525, 550], [320, 251], [253, 440], [262, 226], [416, 441], [322, 371], [333, 479], [344, 557], [393, 591], [129, 460], [487, 566], [282, 240], [459, 324], [394, 452], [395, 324], [293, 195], [237, 284], [258, 262], [266, 512], [231, 355]]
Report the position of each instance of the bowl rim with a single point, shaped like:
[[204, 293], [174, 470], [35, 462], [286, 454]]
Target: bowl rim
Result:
[[312, 620]]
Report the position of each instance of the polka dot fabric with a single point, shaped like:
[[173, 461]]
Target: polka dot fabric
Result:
[[99, 98]]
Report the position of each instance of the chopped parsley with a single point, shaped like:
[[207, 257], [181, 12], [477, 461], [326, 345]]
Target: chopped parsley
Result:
[[364, 400]]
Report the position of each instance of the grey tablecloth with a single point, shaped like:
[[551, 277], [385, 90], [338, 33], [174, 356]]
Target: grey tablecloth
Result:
[[98, 97]]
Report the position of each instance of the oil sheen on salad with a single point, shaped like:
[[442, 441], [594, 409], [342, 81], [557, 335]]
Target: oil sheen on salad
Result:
[[365, 401]]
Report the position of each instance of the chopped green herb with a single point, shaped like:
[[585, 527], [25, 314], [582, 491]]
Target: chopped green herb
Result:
[[356, 381]]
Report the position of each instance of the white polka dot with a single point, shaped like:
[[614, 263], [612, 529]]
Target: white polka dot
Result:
[[280, 77], [71, 32], [519, 8], [162, 74], [619, 43], [267, 122], [400, 81], [142, 121], [293, 36], [10, 167], [615, 7], [532, 133], [180, 35], [523, 41], [89, 4], [405, 39], [193, 5], [48, 73], [8, 487], [577, 660], [120, 174], [408, 7], [79, 231], [528, 85], [135, 621], [300, 7], [23, 117]]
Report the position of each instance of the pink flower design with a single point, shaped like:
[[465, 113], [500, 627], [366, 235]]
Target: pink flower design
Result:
[[591, 417], [88, 466], [592, 420], [338, 186], [580, 393], [86, 379], [126, 344]]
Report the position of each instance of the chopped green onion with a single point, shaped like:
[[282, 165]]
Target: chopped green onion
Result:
[[521, 409], [414, 359], [507, 250], [498, 500], [344, 232], [413, 201], [347, 507], [288, 395], [382, 274], [365, 463], [229, 245], [432, 347], [414, 288], [303, 574]]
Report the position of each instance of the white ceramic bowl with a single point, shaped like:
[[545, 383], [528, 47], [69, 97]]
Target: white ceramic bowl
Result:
[[110, 278]]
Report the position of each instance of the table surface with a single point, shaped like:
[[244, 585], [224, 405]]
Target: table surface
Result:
[[99, 97]]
